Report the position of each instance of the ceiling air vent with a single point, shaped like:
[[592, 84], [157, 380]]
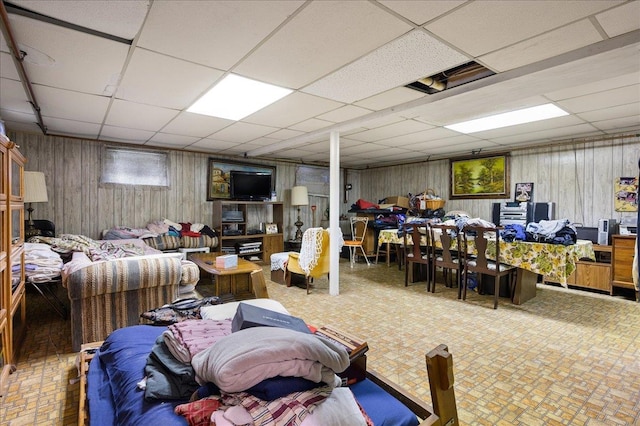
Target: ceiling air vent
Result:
[[450, 78]]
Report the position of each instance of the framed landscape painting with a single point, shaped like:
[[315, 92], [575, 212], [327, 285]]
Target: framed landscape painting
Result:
[[479, 177]]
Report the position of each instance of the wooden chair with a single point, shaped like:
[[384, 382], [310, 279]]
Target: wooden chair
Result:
[[320, 264], [259, 285], [480, 264], [415, 252], [358, 232], [446, 244]]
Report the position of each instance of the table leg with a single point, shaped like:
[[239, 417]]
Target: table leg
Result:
[[525, 286]]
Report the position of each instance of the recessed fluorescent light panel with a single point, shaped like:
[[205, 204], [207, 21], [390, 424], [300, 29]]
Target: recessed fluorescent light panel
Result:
[[521, 116], [236, 97]]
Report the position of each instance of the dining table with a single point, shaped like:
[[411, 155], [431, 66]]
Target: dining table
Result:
[[556, 262]]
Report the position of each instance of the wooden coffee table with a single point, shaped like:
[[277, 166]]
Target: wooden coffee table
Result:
[[236, 280]]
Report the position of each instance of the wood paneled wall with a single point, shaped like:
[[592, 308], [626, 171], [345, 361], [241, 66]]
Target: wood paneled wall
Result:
[[578, 177]]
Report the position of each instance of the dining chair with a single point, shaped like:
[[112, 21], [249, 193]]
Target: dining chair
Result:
[[446, 243], [480, 237], [416, 253], [358, 233]]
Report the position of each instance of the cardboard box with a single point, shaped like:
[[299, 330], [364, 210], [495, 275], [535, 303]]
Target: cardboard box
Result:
[[227, 261], [398, 201], [254, 316]]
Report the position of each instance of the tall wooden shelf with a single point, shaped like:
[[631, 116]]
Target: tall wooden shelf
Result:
[[12, 300], [622, 261], [250, 228]]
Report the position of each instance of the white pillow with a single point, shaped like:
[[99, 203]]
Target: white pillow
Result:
[[228, 310]]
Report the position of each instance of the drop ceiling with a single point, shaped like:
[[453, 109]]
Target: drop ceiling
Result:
[[127, 71]]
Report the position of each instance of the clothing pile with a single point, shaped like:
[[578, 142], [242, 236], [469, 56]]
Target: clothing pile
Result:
[[258, 375], [560, 231], [41, 263]]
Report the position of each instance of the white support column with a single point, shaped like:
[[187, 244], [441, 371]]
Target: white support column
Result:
[[334, 212]]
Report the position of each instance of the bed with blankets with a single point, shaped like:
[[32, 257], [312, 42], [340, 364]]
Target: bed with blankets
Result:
[[199, 372]]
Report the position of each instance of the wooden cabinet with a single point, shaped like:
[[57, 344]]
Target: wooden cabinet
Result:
[[622, 260], [12, 300], [242, 230], [594, 275]]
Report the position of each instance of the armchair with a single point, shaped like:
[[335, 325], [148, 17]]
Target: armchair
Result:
[[313, 259]]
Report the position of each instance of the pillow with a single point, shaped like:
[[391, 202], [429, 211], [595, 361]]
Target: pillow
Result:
[[228, 310]]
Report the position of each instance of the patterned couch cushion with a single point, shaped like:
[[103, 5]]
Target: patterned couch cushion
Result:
[[201, 241], [163, 242]]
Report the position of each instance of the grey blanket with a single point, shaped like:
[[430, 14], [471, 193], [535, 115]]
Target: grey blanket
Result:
[[245, 358]]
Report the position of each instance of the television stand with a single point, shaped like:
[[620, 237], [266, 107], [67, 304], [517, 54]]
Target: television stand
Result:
[[237, 236]]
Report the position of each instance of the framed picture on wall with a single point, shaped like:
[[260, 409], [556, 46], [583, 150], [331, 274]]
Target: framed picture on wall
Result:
[[626, 194], [479, 177], [218, 176], [524, 192]]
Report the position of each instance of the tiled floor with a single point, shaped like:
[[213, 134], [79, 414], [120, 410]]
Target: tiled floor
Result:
[[565, 357]]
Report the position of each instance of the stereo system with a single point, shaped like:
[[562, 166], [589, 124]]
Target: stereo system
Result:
[[514, 212], [606, 228]]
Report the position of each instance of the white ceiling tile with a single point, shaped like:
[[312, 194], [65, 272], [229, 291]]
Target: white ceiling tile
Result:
[[7, 67], [392, 130], [71, 105], [344, 113], [553, 43], [265, 141], [390, 98], [196, 125], [618, 123], [19, 122], [417, 137], [122, 18], [167, 139], [71, 127], [310, 125], [242, 132], [151, 79], [626, 110], [402, 61], [444, 142], [213, 144], [292, 109], [595, 101], [599, 85], [138, 116], [481, 27], [420, 12], [122, 134], [580, 130], [285, 134], [621, 19], [213, 33], [13, 96], [336, 39], [82, 62]]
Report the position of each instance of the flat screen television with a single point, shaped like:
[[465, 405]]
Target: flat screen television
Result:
[[249, 186]]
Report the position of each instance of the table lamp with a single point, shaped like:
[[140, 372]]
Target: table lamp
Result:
[[299, 197], [35, 191]]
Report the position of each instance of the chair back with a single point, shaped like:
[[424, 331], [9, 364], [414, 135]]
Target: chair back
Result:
[[447, 239], [480, 237], [321, 266], [359, 228], [415, 249]]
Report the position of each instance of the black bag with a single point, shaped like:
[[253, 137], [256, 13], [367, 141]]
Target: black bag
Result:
[[180, 310]]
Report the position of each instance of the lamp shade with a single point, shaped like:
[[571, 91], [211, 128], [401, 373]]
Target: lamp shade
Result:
[[35, 188], [299, 196]]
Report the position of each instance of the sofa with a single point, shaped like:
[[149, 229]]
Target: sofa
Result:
[[167, 236], [109, 294]]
